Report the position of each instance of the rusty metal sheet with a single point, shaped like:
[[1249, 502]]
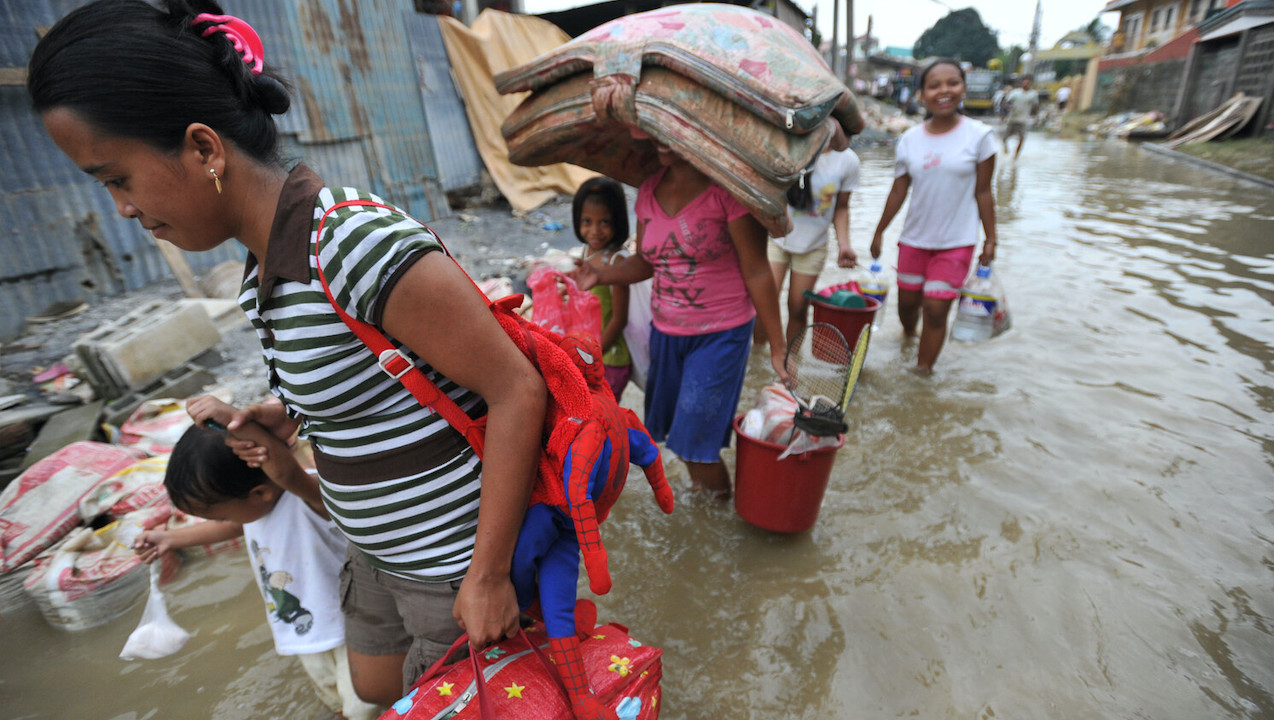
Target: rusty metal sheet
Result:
[[459, 165]]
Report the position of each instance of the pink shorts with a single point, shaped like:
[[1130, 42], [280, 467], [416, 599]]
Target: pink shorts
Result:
[[940, 273]]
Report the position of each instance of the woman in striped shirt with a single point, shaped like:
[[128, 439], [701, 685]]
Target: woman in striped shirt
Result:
[[171, 109]]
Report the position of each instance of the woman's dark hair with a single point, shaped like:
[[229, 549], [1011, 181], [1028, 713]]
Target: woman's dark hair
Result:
[[609, 193], [136, 71], [203, 471], [800, 195], [940, 61]]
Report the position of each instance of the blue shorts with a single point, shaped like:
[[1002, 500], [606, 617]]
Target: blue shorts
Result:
[[692, 391]]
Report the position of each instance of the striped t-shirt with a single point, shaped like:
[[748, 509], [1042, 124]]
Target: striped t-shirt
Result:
[[397, 480]]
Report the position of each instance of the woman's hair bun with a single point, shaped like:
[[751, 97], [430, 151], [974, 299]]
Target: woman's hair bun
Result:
[[271, 94]]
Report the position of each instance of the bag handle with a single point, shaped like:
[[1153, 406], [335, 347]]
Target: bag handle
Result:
[[486, 706], [393, 360]]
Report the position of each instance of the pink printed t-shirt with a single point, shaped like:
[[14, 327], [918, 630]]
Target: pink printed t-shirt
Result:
[[698, 285]]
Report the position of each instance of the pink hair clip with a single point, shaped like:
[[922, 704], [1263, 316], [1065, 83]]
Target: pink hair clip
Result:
[[245, 40]]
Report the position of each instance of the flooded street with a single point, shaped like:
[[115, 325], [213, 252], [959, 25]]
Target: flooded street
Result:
[[1075, 520]]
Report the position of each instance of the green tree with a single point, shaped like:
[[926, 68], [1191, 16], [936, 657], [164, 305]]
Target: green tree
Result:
[[1097, 30], [812, 34], [961, 35]]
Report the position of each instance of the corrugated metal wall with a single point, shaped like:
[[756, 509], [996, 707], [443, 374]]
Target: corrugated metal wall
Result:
[[367, 77], [60, 236], [459, 165], [355, 83]]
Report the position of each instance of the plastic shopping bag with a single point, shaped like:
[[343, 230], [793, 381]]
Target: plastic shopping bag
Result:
[[157, 635], [1003, 321], [772, 419], [559, 304], [637, 331]]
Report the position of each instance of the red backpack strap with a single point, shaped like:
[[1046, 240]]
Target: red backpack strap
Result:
[[394, 361]]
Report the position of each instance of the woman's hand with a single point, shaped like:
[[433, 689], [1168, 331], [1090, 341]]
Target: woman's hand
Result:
[[269, 415], [487, 609], [877, 243]]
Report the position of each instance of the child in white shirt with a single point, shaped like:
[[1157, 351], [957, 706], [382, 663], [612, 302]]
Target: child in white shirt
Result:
[[295, 549]]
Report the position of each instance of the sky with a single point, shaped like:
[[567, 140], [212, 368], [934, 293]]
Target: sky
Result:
[[900, 22]]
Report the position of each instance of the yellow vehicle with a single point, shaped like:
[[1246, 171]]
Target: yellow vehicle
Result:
[[980, 87]]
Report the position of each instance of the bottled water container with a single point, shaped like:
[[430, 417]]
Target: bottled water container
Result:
[[875, 284], [975, 317]]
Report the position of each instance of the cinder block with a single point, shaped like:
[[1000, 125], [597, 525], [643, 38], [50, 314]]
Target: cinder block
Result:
[[179, 383], [144, 344], [225, 314]]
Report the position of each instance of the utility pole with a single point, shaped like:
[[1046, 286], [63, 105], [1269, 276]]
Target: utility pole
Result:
[[1034, 49], [836, 38], [849, 42]]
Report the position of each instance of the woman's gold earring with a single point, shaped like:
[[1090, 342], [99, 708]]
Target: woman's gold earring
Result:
[[215, 179]]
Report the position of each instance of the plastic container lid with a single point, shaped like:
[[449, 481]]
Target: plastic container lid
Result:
[[984, 271]]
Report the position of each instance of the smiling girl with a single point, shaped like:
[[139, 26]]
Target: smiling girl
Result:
[[600, 212], [950, 159]]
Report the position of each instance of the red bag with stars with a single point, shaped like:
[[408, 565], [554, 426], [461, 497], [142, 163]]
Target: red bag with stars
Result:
[[521, 683]]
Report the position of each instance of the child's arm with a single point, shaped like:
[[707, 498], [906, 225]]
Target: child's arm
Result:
[[893, 203], [985, 199], [624, 271], [618, 316], [206, 408], [151, 544], [845, 255], [281, 466]]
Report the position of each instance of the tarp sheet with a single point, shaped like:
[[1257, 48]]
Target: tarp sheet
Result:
[[497, 42]]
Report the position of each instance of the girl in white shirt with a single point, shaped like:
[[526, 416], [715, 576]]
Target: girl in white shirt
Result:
[[819, 203], [950, 159]]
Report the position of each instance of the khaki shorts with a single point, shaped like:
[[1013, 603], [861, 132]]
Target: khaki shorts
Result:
[[386, 614], [810, 263], [1015, 128]]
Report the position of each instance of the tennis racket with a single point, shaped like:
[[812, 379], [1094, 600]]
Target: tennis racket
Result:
[[819, 370], [855, 368]]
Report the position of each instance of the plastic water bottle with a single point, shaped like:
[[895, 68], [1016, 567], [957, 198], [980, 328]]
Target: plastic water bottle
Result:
[[875, 285], [975, 317]]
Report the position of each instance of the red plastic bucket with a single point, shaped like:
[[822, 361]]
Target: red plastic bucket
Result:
[[779, 495], [850, 321]]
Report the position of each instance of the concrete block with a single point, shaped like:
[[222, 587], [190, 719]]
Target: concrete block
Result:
[[179, 383], [140, 347], [225, 314]]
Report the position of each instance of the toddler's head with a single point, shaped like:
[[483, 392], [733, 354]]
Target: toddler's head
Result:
[[205, 478], [600, 212]]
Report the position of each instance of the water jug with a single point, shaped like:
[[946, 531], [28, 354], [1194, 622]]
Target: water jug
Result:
[[875, 285], [975, 317]]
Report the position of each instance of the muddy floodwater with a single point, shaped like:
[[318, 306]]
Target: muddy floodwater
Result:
[[1074, 520]]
